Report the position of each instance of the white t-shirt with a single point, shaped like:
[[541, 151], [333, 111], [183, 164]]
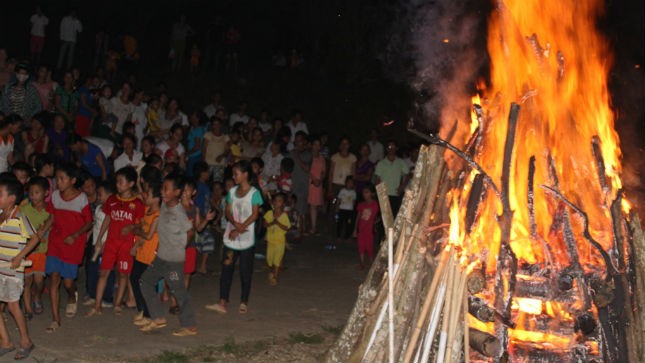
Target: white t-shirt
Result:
[[99, 216], [69, 29], [123, 160], [236, 117], [105, 145], [38, 23], [376, 151], [140, 121], [342, 167], [163, 147], [180, 118], [346, 199], [121, 111], [6, 148], [211, 109], [301, 126]]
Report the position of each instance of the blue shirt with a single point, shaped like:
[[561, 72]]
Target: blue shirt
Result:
[[83, 91], [203, 197], [89, 160], [195, 133]]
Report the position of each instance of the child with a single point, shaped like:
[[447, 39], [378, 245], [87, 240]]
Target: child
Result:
[[242, 209], [71, 221], [15, 229], [92, 267], [204, 241], [277, 224], [235, 146], [6, 146], [367, 211], [317, 172], [144, 250], [22, 171], [123, 212], [35, 210], [295, 232], [154, 115], [174, 230], [345, 202], [44, 166], [284, 181]]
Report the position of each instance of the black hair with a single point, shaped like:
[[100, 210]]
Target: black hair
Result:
[[190, 182], [200, 167], [41, 117], [151, 175], [23, 166], [73, 138], [244, 166], [178, 180], [280, 195], [215, 118], [155, 191], [153, 158], [107, 185], [287, 164], [149, 138], [127, 135], [349, 178], [13, 187], [176, 126], [84, 176], [12, 119], [41, 160], [369, 186], [127, 125], [302, 134], [258, 161], [72, 171], [39, 181], [128, 172]]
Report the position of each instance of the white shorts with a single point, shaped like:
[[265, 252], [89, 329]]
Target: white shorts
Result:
[[10, 288]]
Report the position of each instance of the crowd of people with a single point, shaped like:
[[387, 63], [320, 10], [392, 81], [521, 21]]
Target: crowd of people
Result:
[[126, 184]]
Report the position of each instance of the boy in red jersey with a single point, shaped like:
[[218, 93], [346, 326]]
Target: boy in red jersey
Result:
[[123, 212], [71, 221]]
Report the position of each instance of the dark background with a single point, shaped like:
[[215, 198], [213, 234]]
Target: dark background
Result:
[[346, 84]]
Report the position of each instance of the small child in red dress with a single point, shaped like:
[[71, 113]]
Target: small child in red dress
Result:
[[367, 211]]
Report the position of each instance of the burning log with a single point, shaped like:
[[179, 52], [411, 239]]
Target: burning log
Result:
[[484, 343], [585, 323], [600, 163], [474, 199], [476, 282], [479, 308]]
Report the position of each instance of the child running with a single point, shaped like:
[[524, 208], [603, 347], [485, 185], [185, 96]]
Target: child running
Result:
[[174, 230], [367, 211], [242, 209], [123, 212], [277, 224], [35, 210], [145, 249], [71, 221], [15, 230]]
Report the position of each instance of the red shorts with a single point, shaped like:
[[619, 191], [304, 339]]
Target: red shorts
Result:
[[117, 252], [36, 44], [190, 264], [37, 264]]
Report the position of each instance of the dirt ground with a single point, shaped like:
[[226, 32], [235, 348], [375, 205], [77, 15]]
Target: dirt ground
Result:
[[295, 321]]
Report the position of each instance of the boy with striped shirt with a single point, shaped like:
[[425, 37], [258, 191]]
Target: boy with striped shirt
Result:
[[15, 231]]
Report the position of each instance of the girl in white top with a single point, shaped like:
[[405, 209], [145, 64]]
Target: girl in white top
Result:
[[6, 147], [242, 210]]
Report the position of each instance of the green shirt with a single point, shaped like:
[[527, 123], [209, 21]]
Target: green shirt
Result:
[[36, 218], [391, 172]]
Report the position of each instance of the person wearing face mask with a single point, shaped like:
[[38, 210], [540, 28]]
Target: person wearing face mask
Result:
[[20, 96]]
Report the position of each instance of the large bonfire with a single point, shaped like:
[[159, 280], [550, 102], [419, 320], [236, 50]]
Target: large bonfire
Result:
[[527, 251]]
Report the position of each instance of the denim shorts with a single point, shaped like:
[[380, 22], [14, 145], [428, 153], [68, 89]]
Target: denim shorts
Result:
[[66, 270]]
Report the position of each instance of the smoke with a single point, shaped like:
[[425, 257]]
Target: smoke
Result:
[[439, 48]]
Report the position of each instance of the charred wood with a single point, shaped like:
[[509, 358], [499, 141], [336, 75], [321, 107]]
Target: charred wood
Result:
[[484, 343]]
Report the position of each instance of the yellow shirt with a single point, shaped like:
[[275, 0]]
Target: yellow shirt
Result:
[[275, 234]]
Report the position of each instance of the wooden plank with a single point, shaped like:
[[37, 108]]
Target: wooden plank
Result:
[[386, 209]]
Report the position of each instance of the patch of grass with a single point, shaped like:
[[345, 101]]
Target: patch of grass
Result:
[[335, 330], [231, 347], [311, 338], [168, 356]]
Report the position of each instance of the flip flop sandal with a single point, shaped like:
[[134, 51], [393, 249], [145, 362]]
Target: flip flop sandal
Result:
[[38, 308], [23, 353], [153, 326], [143, 322], [93, 312], [53, 327], [4, 351], [184, 332], [243, 308], [70, 309], [216, 307]]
